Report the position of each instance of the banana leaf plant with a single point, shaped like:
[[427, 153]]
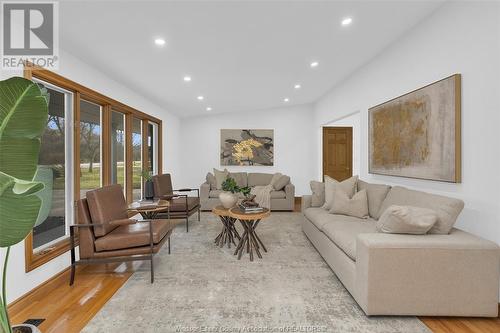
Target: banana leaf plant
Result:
[[23, 117]]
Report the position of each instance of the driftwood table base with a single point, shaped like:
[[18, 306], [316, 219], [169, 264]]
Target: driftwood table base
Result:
[[250, 241], [228, 232]]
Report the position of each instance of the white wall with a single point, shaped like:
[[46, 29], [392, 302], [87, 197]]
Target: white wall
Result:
[[19, 282], [461, 38], [293, 144]]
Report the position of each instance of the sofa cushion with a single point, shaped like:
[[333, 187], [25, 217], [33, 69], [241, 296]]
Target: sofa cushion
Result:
[[214, 193], [331, 185], [220, 177], [318, 193], [406, 220], [376, 194], [240, 178], [259, 179], [133, 235], [319, 217], [210, 178], [343, 231], [179, 204], [447, 209], [356, 206], [274, 194], [281, 182], [278, 195]]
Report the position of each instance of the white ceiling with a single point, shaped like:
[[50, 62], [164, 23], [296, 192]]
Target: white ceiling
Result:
[[241, 55]]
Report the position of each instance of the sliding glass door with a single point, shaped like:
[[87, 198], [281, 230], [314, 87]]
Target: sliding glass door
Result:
[[55, 170]]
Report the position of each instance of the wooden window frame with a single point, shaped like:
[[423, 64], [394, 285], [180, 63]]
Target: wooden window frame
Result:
[[34, 260]]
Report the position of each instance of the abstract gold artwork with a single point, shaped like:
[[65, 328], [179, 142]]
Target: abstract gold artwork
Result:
[[247, 147], [417, 135]]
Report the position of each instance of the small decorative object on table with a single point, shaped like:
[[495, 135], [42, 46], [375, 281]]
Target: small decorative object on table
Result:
[[229, 198], [250, 206], [148, 185]]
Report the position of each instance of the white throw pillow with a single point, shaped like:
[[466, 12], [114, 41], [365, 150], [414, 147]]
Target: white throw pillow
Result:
[[220, 177], [356, 206], [407, 220], [348, 186]]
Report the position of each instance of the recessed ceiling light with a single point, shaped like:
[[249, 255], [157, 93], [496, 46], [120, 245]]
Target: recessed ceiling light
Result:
[[200, 98], [286, 100], [160, 41], [314, 64], [297, 86], [187, 78], [346, 21], [209, 108]]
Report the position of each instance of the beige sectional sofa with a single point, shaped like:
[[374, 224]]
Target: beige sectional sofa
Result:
[[283, 200], [436, 274]]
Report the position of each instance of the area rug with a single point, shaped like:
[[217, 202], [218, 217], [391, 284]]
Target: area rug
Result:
[[204, 288]]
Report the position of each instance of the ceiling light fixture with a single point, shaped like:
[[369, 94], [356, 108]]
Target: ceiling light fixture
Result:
[[160, 41], [187, 78], [314, 64], [346, 21], [209, 108], [286, 100], [297, 86], [200, 98]]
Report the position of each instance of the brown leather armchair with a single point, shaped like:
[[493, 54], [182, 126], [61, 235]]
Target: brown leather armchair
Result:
[[182, 206], [106, 234]]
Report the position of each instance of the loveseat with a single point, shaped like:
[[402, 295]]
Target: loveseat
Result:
[[436, 274], [282, 200]]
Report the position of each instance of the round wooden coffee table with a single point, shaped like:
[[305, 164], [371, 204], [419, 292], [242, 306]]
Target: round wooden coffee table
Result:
[[229, 231], [249, 239]]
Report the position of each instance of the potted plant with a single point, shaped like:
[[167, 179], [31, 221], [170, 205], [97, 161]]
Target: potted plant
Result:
[[228, 198], [148, 185], [23, 119]]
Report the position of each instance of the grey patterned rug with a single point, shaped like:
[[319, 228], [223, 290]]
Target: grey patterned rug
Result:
[[204, 288]]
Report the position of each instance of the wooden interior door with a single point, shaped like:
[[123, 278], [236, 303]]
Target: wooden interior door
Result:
[[337, 152]]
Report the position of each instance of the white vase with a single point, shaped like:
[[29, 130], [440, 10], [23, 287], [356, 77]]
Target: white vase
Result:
[[228, 199], [33, 328]]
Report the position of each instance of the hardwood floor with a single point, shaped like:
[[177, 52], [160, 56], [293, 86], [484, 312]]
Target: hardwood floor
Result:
[[68, 309], [462, 325]]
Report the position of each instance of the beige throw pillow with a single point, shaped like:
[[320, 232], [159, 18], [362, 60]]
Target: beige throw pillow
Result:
[[220, 177], [407, 220], [281, 182], [356, 206], [348, 186], [318, 193]]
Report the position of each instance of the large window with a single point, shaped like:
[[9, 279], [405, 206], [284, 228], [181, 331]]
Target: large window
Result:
[[90, 147], [152, 162], [117, 142], [136, 159], [90, 141], [54, 166]]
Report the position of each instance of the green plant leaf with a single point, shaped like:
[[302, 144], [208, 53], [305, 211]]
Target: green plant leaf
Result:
[[23, 117], [19, 207]]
